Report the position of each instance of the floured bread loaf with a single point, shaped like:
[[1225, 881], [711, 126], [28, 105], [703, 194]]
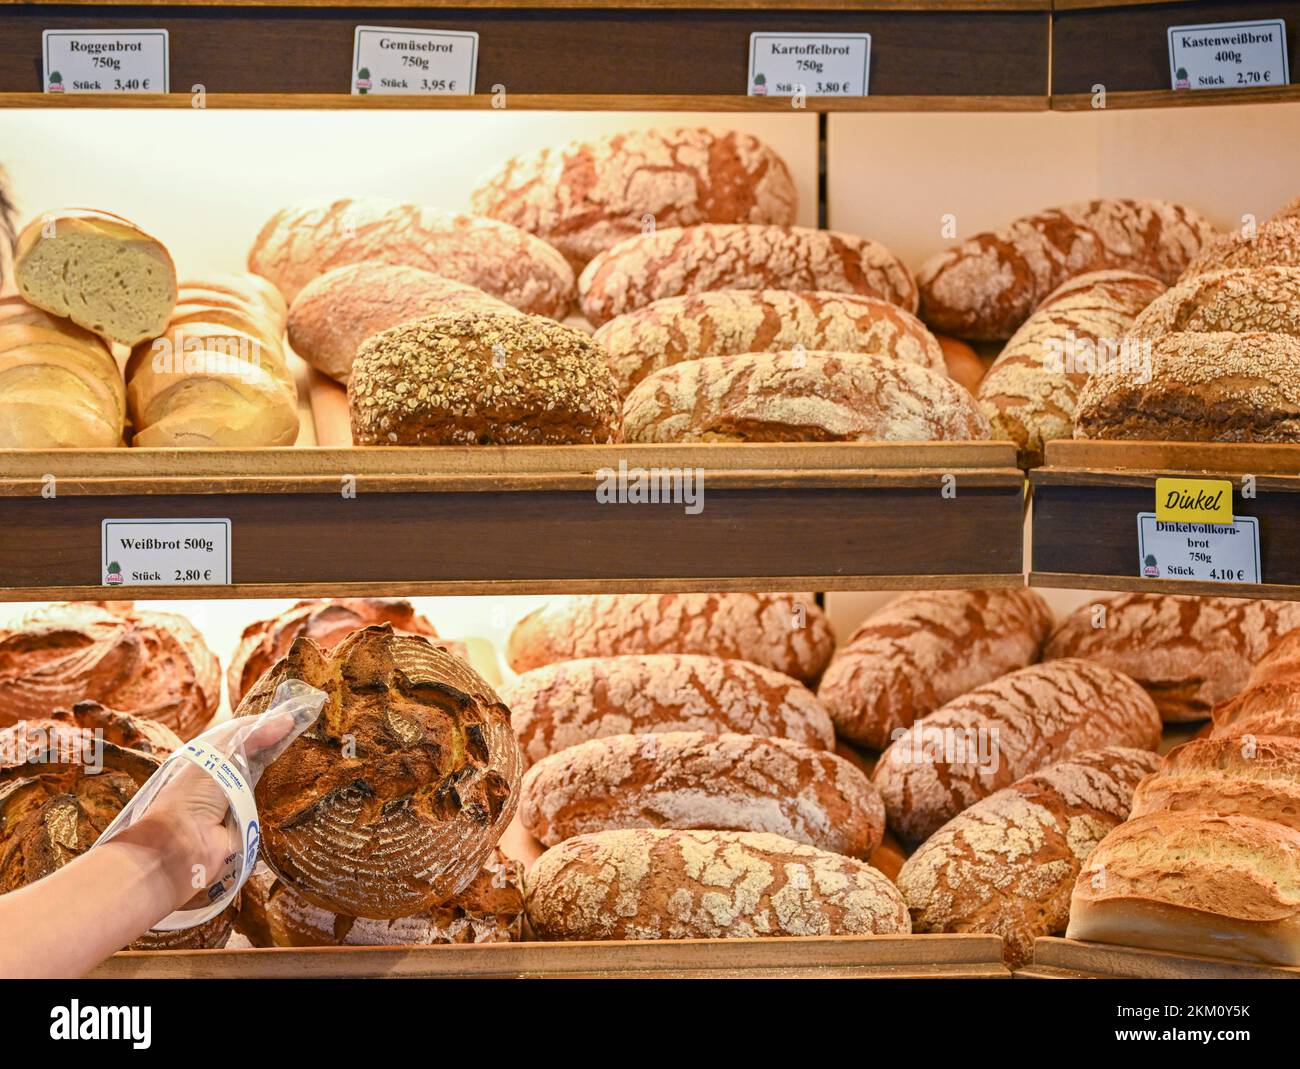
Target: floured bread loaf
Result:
[[1269, 703], [1275, 243], [1241, 300]]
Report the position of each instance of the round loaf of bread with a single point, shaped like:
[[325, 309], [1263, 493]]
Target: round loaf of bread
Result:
[[690, 779], [1275, 243], [963, 363], [567, 703], [1269, 703], [482, 379], [800, 397], [391, 802], [1240, 300], [681, 260], [72, 731]]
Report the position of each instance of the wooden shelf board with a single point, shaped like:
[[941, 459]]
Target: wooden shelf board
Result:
[[1108, 960], [1167, 98], [1257, 459], [704, 5], [1135, 583]]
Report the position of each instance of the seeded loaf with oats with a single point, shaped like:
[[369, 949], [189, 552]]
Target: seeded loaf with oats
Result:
[[1007, 865], [728, 322], [1239, 300], [785, 632], [696, 780], [682, 260], [922, 650], [800, 397], [659, 884], [984, 288], [588, 195], [1269, 703], [997, 733], [482, 379], [1275, 243], [563, 704]]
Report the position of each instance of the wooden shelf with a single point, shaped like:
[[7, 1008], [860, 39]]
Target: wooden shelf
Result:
[[1071, 959]]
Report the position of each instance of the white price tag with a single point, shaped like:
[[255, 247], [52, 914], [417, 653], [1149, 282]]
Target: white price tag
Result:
[[106, 61], [1210, 552], [165, 552], [814, 64], [1229, 55], [387, 60]]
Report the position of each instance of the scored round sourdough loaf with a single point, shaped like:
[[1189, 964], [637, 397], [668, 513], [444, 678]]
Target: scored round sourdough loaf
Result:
[[1269, 703], [1187, 652], [989, 737], [569, 702], [390, 802], [484, 378], [691, 779], [1030, 392], [659, 884], [988, 285], [1275, 243], [589, 195], [1240, 300], [785, 632], [922, 650], [800, 397], [298, 243], [682, 260], [1007, 865], [728, 322]]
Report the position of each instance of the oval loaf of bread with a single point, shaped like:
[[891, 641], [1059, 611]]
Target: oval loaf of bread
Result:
[[1240, 300], [1275, 243], [567, 703], [658, 884], [922, 650], [989, 737], [1269, 703], [682, 260], [800, 397], [727, 322], [691, 779]]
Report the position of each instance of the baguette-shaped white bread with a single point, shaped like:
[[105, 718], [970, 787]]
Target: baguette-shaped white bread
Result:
[[243, 285], [1007, 865], [659, 884], [14, 311], [694, 779], [242, 320], [1194, 882], [993, 735], [99, 270]]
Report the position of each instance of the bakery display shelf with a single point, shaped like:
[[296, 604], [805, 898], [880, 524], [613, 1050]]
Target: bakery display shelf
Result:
[[826, 957], [1056, 958], [1086, 498]]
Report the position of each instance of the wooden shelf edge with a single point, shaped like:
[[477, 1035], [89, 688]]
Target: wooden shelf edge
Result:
[[1113, 960], [1126, 584], [614, 5], [1168, 98], [1102, 455]]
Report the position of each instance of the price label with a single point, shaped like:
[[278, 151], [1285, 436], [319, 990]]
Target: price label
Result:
[[165, 552], [1212, 552], [1229, 55], [814, 64], [106, 61], [387, 60]]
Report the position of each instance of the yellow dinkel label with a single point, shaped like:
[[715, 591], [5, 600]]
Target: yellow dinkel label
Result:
[[1194, 500]]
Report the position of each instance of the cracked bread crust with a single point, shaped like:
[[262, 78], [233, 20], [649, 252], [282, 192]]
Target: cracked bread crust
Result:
[[1240, 300], [1275, 243]]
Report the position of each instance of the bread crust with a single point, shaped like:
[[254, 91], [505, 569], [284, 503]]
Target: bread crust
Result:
[[1240, 300], [1269, 703], [1275, 243]]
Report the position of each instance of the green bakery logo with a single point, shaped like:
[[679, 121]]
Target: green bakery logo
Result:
[[56, 82], [760, 84], [1181, 81], [363, 80], [113, 577]]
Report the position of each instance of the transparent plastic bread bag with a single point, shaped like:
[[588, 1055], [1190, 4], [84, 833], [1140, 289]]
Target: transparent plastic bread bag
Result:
[[233, 754]]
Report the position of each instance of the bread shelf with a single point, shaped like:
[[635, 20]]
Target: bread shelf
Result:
[[1071, 959]]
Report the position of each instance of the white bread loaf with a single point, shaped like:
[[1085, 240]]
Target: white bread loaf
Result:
[[248, 289]]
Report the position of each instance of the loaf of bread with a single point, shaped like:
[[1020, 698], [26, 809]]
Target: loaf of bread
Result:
[[1240, 300], [391, 802], [988, 285], [99, 270], [72, 731], [1269, 703], [785, 632], [658, 884], [150, 664], [1030, 392], [567, 703], [922, 650], [681, 260], [800, 397], [589, 195], [1007, 865], [1290, 210], [306, 240], [482, 379], [245, 290], [989, 737], [1275, 243], [964, 364], [336, 312], [695, 780], [1187, 652]]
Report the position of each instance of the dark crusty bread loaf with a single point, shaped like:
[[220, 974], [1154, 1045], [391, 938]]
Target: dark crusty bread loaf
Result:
[[567, 703], [68, 731], [484, 378], [1269, 703], [1007, 865], [800, 397], [1240, 300], [682, 260], [1029, 393], [658, 884], [785, 632], [989, 737], [1275, 243], [692, 779], [1187, 652], [727, 322], [922, 650], [988, 285], [589, 195]]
